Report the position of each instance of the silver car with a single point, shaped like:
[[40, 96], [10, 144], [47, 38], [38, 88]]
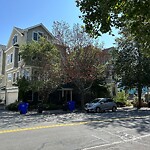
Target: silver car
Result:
[[100, 105]]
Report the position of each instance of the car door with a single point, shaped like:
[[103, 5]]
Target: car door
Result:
[[103, 104], [106, 104], [109, 103]]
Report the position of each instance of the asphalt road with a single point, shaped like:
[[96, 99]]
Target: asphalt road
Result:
[[126, 129]]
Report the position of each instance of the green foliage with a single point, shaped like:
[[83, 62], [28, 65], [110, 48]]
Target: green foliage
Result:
[[99, 89], [45, 60], [130, 64], [100, 16], [13, 106], [23, 86], [51, 106], [121, 97]]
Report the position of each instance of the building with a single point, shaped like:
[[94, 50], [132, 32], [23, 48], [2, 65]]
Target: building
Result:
[[2, 73], [11, 64]]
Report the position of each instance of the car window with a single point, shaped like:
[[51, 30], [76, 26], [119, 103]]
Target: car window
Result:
[[109, 100], [103, 100], [95, 101]]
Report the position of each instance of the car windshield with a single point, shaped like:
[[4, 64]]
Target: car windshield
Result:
[[96, 100]]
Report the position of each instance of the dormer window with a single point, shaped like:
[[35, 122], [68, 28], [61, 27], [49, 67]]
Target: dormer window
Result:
[[37, 35], [14, 40]]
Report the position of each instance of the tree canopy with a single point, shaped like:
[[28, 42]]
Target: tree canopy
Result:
[[45, 60], [81, 65], [74, 37], [100, 16], [131, 65]]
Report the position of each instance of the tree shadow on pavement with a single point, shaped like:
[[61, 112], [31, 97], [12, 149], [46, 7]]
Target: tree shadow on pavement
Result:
[[126, 119]]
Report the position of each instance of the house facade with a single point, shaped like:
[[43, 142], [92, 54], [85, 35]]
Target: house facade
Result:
[[2, 73], [12, 66]]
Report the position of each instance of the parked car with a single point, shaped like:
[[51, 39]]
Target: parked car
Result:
[[100, 105]]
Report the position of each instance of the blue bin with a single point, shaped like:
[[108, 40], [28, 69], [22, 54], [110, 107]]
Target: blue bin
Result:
[[23, 107], [71, 105]]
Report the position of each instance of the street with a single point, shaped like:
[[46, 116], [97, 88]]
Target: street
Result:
[[125, 129]]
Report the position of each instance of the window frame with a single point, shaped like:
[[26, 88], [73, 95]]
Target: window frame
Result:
[[9, 78], [39, 34], [15, 39]]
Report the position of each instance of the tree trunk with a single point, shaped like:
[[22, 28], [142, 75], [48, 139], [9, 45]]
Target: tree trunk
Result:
[[82, 100], [139, 96]]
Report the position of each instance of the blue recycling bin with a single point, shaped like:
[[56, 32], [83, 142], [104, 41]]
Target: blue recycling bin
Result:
[[23, 107], [71, 105]]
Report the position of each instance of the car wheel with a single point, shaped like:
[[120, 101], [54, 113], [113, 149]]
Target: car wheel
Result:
[[98, 110], [114, 109]]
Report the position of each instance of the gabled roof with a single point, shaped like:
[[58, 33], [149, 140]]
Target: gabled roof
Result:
[[41, 26], [19, 30]]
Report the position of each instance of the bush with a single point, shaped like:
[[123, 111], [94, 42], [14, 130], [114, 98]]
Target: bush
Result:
[[51, 107], [121, 99], [143, 103], [13, 106]]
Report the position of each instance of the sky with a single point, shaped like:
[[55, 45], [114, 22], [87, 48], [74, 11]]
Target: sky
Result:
[[26, 13]]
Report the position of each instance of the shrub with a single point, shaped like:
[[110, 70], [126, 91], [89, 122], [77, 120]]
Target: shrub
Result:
[[121, 98], [13, 106], [143, 103], [51, 106]]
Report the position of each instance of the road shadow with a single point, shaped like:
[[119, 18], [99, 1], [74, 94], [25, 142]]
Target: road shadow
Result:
[[126, 118]]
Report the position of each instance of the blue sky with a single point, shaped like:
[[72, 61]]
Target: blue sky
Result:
[[26, 13]]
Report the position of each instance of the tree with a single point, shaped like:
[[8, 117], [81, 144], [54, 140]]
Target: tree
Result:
[[131, 65], [100, 16], [72, 38], [44, 58], [83, 67]]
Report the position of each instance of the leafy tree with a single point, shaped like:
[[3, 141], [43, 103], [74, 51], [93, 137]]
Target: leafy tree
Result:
[[100, 16], [82, 67], [74, 37], [44, 58], [23, 86], [131, 65]]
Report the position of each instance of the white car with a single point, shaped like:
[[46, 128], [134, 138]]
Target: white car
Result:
[[100, 105]]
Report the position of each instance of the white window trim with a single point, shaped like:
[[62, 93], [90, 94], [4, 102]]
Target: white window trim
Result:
[[8, 59], [33, 35], [37, 35], [9, 80], [13, 38]]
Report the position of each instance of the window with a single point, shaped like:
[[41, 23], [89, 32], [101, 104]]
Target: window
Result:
[[11, 58], [40, 34], [8, 59], [14, 39], [17, 75], [109, 100], [9, 76], [37, 35], [19, 57], [14, 77]]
